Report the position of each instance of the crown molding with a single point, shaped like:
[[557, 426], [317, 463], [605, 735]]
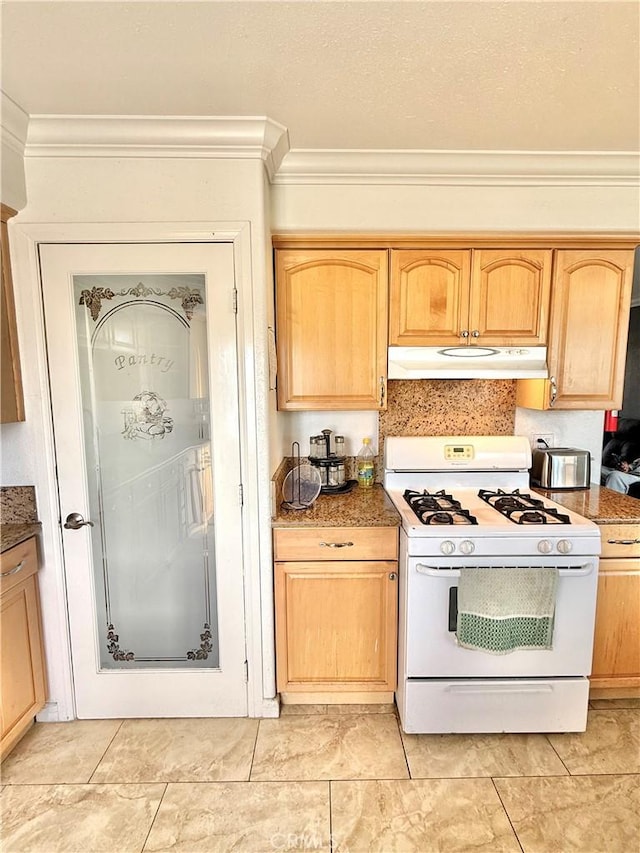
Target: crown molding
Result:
[[461, 168], [14, 122], [199, 137]]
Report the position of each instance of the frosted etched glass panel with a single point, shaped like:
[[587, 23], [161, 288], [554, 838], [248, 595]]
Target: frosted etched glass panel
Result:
[[142, 345]]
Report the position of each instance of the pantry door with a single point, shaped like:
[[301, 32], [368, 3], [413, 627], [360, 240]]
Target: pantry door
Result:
[[143, 363]]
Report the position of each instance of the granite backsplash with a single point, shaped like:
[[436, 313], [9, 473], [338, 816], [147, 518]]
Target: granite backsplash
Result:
[[18, 505]]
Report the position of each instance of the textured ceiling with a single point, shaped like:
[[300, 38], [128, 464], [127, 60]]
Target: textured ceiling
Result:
[[341, 75]]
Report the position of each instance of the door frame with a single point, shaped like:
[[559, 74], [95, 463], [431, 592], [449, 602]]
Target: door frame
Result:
[[254, 445]]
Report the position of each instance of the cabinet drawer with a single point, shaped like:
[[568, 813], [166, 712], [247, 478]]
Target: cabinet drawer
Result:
[[336, 543], [620, 540], [18, 563]]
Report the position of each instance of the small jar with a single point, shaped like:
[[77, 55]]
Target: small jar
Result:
[[321, 447], [339, 445], [340, 473], [333, 474]]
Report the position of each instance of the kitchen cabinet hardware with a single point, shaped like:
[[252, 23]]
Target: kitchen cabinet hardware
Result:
[[553, 391], [623, 541], [382, 392], [14, 570], [393, 576], [336, 544], [74, 521], [475, 334], [464, 333]]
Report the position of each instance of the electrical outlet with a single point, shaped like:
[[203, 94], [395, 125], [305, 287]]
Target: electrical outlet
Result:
[[539, 439]]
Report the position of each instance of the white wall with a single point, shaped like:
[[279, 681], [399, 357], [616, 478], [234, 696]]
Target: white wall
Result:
[[385, 208], [69, 190]]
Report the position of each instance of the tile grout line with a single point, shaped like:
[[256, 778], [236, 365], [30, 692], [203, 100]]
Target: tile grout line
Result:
[[404, 750], [331, 844], [253, 752], [558, 754], [504, 808], [100, 760], [153, 820]]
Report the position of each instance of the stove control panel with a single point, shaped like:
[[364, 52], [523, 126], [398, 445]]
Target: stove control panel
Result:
[[458, 451]]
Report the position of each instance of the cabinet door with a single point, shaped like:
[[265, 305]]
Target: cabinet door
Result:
[[510, 293], [331, 329], [11, 397], [336, 625], [21, 656], [429, 297], [616, 651], [589, 326]]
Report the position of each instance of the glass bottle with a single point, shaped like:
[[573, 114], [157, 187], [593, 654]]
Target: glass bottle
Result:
[[365, 465]]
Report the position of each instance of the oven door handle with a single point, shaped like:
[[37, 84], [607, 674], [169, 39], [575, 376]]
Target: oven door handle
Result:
[[569, 571]]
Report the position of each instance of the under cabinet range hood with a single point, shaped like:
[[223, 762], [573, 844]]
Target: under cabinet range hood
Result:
[[467, 362]]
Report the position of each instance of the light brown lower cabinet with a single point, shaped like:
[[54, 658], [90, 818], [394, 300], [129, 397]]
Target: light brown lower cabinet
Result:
[[336, 617], [22, 669], [616, 653]]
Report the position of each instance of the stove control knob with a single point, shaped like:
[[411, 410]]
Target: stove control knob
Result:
[[467, 547], [447, 547], [565, 546], [545, 547]]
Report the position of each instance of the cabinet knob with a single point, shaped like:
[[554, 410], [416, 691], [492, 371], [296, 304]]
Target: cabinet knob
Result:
[[392, 576], [464, 333], [475, 334]]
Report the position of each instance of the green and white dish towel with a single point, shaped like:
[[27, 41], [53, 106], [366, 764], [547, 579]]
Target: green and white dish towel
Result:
[[501, 610]]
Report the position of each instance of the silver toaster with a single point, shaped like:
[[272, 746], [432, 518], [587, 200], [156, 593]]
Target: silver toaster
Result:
[[561, 468]]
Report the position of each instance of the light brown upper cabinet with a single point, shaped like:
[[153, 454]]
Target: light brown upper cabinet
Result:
[[492, 297], [331, 309], [588, 333], [11, 398]]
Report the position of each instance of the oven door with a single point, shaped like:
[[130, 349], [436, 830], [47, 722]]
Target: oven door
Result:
[[428, 632]]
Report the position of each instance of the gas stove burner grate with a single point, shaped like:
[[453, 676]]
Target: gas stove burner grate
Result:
[[522, 508], [438, 508]]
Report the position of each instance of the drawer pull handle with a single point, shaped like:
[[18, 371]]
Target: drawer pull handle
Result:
[[14, 569], [336, 544], [623, 541]]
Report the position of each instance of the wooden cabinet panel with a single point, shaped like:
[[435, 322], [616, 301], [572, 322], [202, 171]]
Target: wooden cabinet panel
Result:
[[331, 543], [22, 670], [336, 625], [11, 396], [492, 297], [331, 311], [616, 649], [429, 297], [616, 654], [510, 297], [588, 333]]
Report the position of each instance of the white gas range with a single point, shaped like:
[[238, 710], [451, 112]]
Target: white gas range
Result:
[[465, 503]]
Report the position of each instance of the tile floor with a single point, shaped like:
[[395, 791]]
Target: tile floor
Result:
[[334, 779]]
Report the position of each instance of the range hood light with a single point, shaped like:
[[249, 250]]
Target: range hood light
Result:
[[468, 362]]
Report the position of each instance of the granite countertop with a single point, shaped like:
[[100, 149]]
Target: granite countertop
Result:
[[13, 534], [598, 504], [358, 508]]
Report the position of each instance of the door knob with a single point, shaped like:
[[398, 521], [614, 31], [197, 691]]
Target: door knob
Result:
[[74, 521]]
